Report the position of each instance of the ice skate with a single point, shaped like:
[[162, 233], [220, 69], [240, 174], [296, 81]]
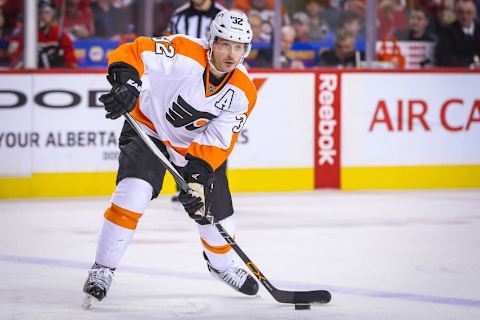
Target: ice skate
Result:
[[97, 284], [235, 277]]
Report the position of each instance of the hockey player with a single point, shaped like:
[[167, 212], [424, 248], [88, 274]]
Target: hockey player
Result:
[[192, 98]]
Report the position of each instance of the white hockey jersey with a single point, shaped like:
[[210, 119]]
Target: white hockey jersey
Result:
[[179, 106]]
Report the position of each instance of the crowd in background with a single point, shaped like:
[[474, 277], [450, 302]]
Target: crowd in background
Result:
[[451, 25]]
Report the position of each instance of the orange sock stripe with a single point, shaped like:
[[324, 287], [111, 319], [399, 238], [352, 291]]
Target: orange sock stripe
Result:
[[122, 217], [216, 249]]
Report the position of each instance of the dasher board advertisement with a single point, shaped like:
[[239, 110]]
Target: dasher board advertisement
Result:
[[410, 119], [54, 123], [410, 130]]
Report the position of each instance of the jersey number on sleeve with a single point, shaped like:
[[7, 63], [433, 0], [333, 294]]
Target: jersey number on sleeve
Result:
[[241, 122], [164, 46]]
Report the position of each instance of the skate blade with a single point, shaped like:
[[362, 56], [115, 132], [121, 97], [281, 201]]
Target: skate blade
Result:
[[88, 301]]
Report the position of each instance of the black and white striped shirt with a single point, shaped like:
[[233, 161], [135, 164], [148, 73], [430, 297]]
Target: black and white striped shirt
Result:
[[187, 20]]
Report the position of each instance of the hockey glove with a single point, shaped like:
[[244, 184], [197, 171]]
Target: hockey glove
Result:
[[199, 176], [126, 87]]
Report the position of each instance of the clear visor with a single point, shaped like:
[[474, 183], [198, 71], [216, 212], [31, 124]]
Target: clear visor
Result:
[[228, 46]]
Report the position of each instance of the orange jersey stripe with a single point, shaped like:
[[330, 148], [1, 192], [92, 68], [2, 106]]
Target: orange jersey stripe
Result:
[[138, 115], [131, 53], [242, 81], [216, 249], [214, 156], [191, 49], [209, 93], [122, 217], [182, 151]]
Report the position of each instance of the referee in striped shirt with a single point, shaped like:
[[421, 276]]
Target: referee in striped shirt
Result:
[[194, 18]]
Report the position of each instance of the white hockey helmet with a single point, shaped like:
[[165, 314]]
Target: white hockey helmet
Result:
[[231, 25]]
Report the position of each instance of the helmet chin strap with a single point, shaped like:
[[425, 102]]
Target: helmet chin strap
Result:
[[209, 55], [216, 70]]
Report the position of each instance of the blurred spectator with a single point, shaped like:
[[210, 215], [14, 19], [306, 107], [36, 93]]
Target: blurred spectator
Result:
[[301, 24], [443, 14], [5, 34], [459, 43], [55, 50], [477, 5], [321, 14], [390, 19], [265, 56], [12, 11], [110, 21], [78, 20], [355, 6], [445, 18], [261, 29], [194, 18], [343, 54], [349, 21], [418, 22], [440, 13], [263, 8], [323, 19], [160, 14]]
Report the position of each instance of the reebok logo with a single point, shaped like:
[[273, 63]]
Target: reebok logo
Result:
[[195, 176], [327, 122], [327, 130], [134, 84]]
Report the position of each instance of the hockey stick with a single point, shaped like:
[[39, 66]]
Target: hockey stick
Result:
[[283, 296]]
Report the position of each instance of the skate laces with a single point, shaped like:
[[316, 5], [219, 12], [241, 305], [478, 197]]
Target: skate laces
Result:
[[102, 276], [234, 275]]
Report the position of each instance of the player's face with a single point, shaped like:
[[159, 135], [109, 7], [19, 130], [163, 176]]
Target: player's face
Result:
[[226, 54]]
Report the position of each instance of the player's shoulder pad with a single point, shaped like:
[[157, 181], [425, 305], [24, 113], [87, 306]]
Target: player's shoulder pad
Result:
[[190, 47], [242, 80], [183, 39]]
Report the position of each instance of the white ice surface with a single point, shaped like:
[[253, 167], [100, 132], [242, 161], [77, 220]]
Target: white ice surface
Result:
[[384, 255]]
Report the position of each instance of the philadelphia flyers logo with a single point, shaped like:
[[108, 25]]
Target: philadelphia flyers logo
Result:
[[182, 114]]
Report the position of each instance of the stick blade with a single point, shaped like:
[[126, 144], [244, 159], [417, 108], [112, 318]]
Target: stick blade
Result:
[[302, 297], [316, 296]]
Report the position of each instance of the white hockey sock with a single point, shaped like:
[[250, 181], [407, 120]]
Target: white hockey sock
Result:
[[218, 251], [113, 242], [129, 201]]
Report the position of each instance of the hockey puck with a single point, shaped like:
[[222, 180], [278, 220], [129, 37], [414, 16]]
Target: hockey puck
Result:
[[302, 306]]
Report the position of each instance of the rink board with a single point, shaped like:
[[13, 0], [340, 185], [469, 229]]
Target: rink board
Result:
[[55, 140], [370, 130], [410, 130]]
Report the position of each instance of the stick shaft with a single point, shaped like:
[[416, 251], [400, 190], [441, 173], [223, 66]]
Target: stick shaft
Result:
[[151, 145], [282, 296]]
